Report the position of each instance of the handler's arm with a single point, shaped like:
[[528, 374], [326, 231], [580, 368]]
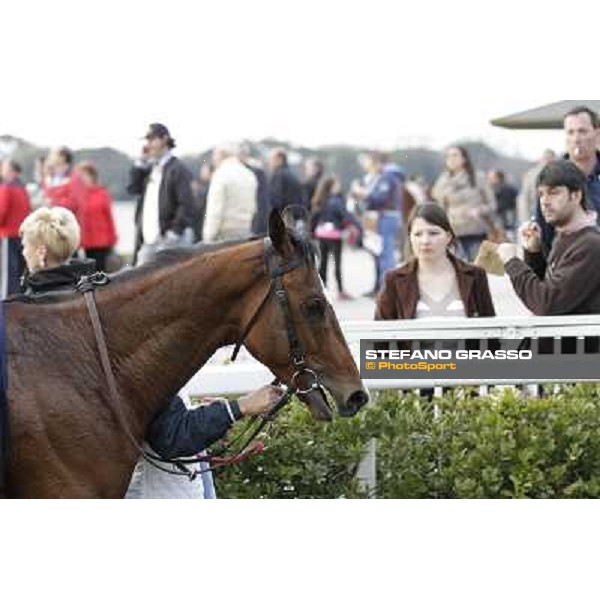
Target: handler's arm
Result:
[[177, 431]]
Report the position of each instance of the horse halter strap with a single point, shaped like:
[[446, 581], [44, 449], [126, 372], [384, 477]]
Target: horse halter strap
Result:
[[275, 273], [86, 286], [296, 351]]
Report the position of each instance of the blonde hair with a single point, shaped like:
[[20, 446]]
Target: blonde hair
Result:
[[56, 228]]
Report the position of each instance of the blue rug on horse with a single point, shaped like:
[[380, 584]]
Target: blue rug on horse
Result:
[[3, 403]]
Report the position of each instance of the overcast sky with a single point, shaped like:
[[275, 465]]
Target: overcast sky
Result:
[[314, 72]]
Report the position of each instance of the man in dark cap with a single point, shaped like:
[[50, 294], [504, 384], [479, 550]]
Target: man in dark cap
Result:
[[165, 211]]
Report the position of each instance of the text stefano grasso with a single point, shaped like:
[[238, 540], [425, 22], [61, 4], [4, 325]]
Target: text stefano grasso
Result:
[[448, 355]]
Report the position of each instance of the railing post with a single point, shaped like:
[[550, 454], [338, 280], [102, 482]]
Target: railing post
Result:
[[367, 469], [366, 474]]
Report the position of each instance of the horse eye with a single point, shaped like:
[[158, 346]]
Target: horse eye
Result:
[[314, 309]]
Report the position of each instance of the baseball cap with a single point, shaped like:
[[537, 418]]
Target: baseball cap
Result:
[[156, 130]]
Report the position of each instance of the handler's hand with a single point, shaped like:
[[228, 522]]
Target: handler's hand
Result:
[[531, 234], [260, 401], [506, 252]]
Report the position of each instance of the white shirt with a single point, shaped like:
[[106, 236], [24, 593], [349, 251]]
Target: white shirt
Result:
[[451, 305], [150, 215]]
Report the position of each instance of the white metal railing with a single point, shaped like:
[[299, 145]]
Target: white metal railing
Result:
[[242, 378]]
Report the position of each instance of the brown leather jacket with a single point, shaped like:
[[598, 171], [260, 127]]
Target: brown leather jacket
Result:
[[400, 293]]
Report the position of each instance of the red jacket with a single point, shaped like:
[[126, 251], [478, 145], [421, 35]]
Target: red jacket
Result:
[[97, 224], [68, 194], [14, 207]]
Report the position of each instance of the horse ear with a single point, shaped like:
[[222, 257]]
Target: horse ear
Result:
[[279, 234]]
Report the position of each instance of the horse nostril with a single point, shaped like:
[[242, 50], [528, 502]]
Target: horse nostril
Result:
[[356, 401]]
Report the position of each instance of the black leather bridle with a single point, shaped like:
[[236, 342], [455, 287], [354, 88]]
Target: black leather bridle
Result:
[[297, 355]]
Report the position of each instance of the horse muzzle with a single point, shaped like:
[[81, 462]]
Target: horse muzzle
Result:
[[354, 403], [315, 397]]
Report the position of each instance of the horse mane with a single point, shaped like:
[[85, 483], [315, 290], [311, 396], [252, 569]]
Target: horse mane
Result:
[[178, 254], [164, 259]]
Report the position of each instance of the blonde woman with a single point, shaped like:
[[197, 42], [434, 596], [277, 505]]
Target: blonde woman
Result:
[[50, 237]]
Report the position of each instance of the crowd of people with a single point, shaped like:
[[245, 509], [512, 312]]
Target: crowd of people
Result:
[[234, 191], [560, 239], [59, 182]]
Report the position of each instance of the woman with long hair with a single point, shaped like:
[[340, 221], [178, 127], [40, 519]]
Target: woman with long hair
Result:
[[467, 199], [434, 283], [329, 219]]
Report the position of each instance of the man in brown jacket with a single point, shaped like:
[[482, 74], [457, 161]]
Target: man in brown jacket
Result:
[[567, 281]]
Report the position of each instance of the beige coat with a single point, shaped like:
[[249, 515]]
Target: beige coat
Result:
[[231, 202], [471, 210], [528, 196]]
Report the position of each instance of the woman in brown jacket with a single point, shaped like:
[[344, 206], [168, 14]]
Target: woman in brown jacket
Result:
[[434, 283]]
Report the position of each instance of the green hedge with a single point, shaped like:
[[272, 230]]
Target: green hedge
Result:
[[500, 446]]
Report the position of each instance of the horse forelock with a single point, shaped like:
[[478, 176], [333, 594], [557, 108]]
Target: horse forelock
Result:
[[305, 247]]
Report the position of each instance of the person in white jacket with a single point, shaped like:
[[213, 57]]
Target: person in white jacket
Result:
[[231, 200]]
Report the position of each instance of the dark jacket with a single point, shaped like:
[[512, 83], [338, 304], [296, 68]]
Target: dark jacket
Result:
[[175, 198], [309, 187], [260, 221], [285, 190], [400, 294], [335, 212], [506, 197], [175, 431], [63, 278], [592, 192]]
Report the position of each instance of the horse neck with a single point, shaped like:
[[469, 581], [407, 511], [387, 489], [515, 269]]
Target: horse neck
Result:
[[171, 321]]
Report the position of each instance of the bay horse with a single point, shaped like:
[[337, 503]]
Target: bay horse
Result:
[[162, 322]]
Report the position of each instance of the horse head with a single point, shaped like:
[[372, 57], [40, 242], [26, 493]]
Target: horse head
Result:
[[295, 332]]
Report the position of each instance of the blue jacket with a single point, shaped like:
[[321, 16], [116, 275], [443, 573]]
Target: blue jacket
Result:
[[176, 431], [386, 191]]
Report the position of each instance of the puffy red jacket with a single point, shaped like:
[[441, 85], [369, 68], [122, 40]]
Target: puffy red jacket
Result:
[[97, 224], [14, 207]]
